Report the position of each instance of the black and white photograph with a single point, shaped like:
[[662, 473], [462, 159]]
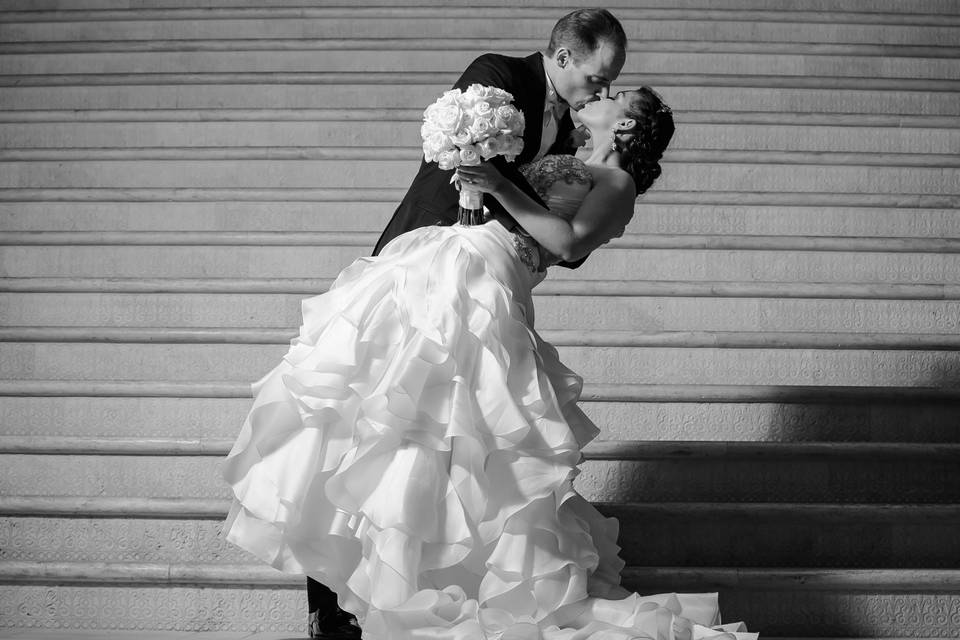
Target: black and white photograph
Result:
[[479, 320]]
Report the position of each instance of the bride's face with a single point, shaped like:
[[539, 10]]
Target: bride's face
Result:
[[601, 115]]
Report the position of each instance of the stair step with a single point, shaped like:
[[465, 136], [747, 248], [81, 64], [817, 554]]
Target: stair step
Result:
[[742, 535], [943, 581], [370, 116], [218, 307], [518, 46], [439, 78], [271, 136], [439, 56], [788, 535], [359, 240], [565, 287], [395, 174], [593, 392], [643, 24], [386, 155], [206, 418], [634, 450], [611, 263], [706, 480], [767, 481], [370, 217], [214, 611], [562, 338], [82, 539], [72, 361], [815, 602], [300, 93], [945, 7], [390, 197]]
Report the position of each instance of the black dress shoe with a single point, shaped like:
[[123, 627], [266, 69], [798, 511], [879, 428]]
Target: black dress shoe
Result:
[[335, 625]]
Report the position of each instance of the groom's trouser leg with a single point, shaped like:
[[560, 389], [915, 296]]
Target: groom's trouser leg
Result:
[[320, 598]]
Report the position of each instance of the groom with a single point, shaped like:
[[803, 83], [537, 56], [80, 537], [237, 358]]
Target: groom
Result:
[[587, 49]]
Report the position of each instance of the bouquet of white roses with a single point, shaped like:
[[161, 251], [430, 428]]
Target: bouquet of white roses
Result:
[[465, 127]]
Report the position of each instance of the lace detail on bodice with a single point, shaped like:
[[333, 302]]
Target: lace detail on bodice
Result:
[[543, 174]]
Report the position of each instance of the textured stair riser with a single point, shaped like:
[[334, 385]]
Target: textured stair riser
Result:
[[769, 481], [221, 418], [453, 61], [395, 174], [773, 613], [605, 264], [748, 540], [888, 6], [428, 27], [117, 540], [406, 96], [787, 542], [671, 481], [829, 613], [181, 608], [371, 217], [405, 133], [597, 313], [619, 365]]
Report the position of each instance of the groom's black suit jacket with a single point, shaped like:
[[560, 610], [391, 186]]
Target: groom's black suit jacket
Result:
[[431, 198]]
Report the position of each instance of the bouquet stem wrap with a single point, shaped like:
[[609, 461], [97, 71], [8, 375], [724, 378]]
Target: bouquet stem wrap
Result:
[[470, 211]]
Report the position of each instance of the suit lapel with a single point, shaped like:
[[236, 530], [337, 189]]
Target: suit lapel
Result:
[[532, 106]]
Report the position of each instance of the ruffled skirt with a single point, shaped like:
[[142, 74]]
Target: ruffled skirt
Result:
[[415, 452]]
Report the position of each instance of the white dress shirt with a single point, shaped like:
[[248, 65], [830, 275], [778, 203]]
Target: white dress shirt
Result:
[[553, 110]]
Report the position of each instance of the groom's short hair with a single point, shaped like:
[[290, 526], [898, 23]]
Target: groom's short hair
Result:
[[583, 30]]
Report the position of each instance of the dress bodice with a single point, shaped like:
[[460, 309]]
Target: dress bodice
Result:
[[562, 182]]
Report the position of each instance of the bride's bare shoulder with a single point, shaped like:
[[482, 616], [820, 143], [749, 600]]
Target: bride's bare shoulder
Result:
[[610, 177]]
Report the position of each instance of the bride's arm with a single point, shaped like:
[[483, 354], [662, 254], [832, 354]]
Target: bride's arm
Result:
[[603, 214]]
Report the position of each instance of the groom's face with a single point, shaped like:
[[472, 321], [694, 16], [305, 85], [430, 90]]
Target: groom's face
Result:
[[587, 77]]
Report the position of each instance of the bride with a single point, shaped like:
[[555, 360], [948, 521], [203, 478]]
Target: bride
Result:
[[415, 449]]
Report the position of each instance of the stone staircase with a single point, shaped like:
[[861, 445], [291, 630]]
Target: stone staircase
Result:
[[771, 349]]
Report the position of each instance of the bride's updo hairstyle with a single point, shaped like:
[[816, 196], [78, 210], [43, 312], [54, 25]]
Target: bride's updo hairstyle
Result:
[[642, 147]]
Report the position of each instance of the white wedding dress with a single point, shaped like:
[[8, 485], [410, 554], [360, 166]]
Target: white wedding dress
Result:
[[416, 447]]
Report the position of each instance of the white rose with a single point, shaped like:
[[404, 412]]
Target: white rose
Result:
[[449, 97], [490, 147], [481, 128], [479, 91], [434, 144], [506, 117], [462, 137], [482, 109], [467, 99], [499, 96], [511, 146], [469, 156], [449, 159], [448, 118]]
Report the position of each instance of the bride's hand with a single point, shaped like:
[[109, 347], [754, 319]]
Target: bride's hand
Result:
[[484, 177]]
